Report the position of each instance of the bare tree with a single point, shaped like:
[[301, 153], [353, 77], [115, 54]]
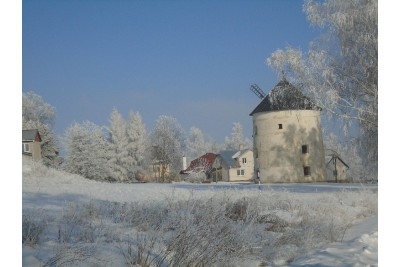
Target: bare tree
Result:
[[167, 141], [340, 70]]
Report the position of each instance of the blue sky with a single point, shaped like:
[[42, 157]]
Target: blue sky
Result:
[[192, 60]]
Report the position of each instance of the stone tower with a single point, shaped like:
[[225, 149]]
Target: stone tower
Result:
[[288, 146]]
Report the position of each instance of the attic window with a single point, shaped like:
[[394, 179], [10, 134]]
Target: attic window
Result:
[[244, 160], [304, 149], [307, 171], [280, 126]]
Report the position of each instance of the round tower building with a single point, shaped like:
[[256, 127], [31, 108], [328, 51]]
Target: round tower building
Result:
[[287, 136]]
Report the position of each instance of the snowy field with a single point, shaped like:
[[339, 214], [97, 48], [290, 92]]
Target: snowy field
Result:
[[72, 221]]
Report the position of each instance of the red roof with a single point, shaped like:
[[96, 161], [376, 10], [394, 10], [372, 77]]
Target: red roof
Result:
[[202, 163]]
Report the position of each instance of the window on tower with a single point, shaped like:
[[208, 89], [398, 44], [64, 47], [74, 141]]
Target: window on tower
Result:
[[307, 171]]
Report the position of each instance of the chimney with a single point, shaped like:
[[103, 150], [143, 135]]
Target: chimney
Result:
[[184, 165], [241, 147]]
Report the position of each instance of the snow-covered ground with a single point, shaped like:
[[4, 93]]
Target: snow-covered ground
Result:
[[350, 211]]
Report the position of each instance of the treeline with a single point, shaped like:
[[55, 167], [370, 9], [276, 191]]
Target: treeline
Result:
[[125, 150]]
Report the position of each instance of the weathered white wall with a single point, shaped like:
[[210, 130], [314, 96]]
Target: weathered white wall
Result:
[[34, 150], [248, 168], [278, 152]]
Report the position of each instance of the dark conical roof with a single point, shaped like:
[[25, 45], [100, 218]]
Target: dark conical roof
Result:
[[284, 96]]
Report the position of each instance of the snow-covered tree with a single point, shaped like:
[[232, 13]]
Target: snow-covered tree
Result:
[[137, 144], [349, 152], [196, 143], [37, 114], [87, 151], [119, 143], [168, 142], [35, 109], [236, 140], [340, 70]]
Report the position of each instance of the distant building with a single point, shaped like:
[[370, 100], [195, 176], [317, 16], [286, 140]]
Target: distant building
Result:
[[201, 166], [160, 169], [288, 146], [31, 141], [233, 166], [336, 168]]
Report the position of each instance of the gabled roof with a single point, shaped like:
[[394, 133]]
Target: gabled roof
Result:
[[285, 96], [227, 157], [31, 135], [240, 153], [330, 154], [203, 163]]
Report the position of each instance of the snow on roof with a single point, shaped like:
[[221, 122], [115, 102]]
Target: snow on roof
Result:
[[201, 163], [239, 153], [227, 157], [285, 96]]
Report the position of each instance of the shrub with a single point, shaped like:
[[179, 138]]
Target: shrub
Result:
[[31, 230]]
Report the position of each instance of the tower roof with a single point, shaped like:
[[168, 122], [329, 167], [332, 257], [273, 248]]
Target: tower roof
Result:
[[285, 96]]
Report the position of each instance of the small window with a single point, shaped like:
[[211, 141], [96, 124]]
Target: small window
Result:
[[304, 149], [280, 126], [256, 153], [307, 171], [255, 130], [244, 160], [25, 148]]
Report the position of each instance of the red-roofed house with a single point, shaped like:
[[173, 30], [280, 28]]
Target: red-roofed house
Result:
[[200, 166]]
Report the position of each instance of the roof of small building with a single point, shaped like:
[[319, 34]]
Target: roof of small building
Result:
[[240, 153], [330, 154], [227, 157], [31, 135], [203, 163], [285, 96]]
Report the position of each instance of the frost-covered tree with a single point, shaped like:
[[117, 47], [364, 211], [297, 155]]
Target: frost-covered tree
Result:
[[119, 146], [236, 140], [137, 144], [87, 151], [168, 144], [349, 152], [196, 143], [37, 114], [35, 109], [340, 70]]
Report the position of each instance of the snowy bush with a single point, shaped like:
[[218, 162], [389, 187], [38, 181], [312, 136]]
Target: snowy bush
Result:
[[195, 177], [70, 255], [211, 226], [146, 250], [31, 230]]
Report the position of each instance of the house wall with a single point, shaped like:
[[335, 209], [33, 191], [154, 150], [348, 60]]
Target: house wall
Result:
[[222, 172], [248, 168], [278, 152], [156, 169], [34, 150]]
